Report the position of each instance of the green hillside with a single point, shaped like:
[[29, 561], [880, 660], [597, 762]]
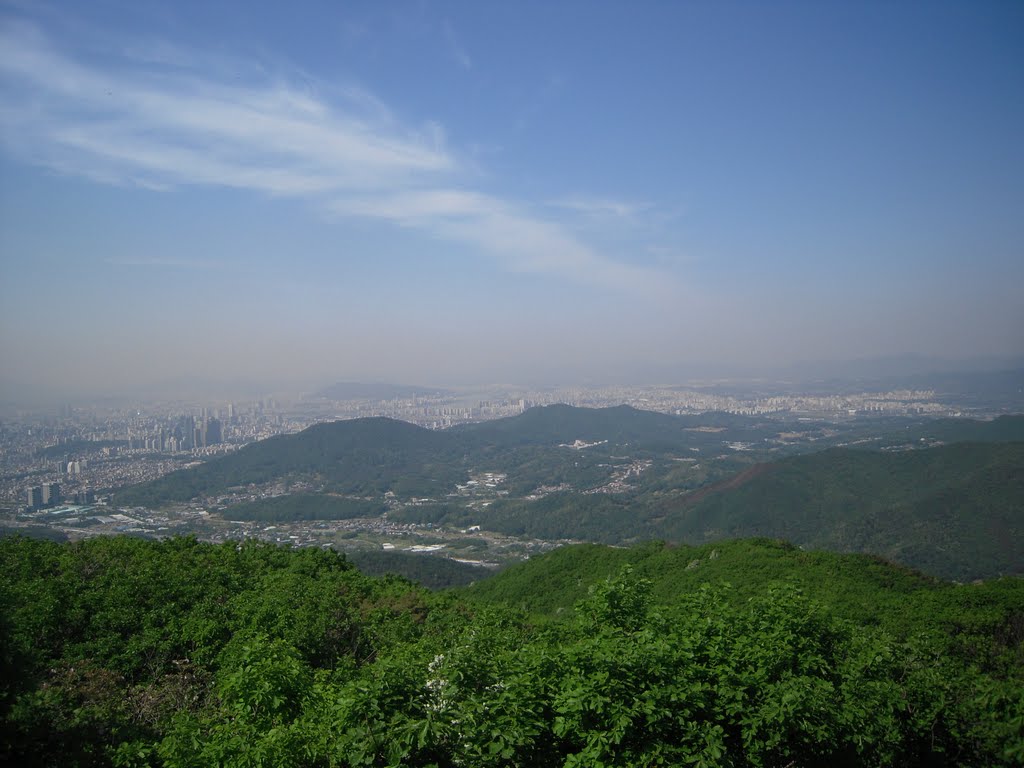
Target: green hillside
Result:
[[621, 475], [374, 455], [619, 425], [1004, 429], [360, 456], [861, 588], [380, 454], [131, 653], [955, 511]]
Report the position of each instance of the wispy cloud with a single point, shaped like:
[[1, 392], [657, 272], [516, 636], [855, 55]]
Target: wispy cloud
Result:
[[173, 126], [153, 121], [525, 242], [455, 47], [602, 207]]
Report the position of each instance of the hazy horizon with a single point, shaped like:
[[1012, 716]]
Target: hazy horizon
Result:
[[433, 193], [871, 374]]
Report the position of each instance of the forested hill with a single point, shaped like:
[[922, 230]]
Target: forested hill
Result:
[[356, 456], [131, 653], [954, 510], [619, 425], [375, 455], [621, 475], [1003, 429], [862, 588]]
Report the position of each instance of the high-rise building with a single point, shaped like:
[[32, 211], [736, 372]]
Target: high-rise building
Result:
[[51, 493], [186, 433], [34, 497], [213, 432]]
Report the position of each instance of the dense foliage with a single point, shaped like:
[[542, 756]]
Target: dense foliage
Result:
[[128, 652], [978, 621]]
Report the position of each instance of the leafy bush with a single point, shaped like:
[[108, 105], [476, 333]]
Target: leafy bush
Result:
[[127, 652]]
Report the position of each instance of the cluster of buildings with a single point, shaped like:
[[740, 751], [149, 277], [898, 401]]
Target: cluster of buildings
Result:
[[189, 433], [430, 411], [49, 495], [45, 495], [104, 448], [680, 401]]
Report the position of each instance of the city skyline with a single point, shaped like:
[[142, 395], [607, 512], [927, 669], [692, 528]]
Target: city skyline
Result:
[[444, 192]]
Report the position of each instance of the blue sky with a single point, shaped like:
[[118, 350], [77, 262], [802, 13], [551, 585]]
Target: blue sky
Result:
[[446, 192]]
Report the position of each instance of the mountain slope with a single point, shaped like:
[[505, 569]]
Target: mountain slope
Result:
[[955, 510], [358, 456], [1003, 429], [375, 455], [862, 588], [623, 424]]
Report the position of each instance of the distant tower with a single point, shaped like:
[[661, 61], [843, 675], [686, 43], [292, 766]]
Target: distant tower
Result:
[[34, 497], [213, 432], [187, 429], [51, 493]]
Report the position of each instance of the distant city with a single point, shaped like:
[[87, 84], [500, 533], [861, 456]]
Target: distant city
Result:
[[80, 453]]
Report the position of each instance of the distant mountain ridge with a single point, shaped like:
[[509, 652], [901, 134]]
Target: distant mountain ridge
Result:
[[953, 510], [1003, 429], [554, 424], [369, 454], [355, 456], [355, 390], [957, 509]]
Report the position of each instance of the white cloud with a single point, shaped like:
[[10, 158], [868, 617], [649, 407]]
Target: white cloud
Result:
[[173, 126], [525, 243], [153, 121], [602, 207]]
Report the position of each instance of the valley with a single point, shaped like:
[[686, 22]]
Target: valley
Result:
[[494, 493]]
